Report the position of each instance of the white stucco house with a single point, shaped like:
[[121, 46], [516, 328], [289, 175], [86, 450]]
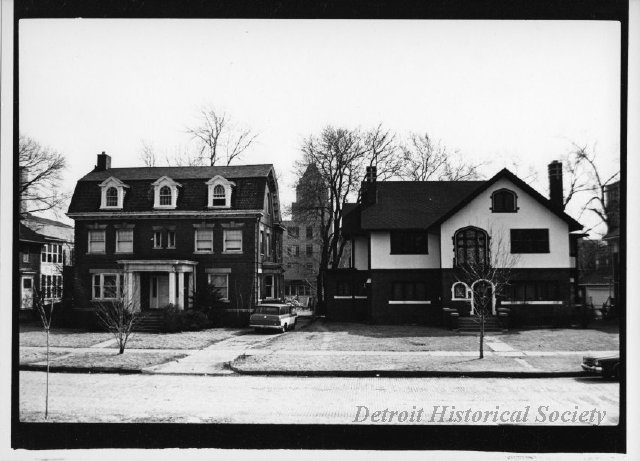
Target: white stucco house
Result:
[[410, 239]]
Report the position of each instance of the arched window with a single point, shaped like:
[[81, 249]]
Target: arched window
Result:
[[504, 201], [219, 196], [471, 245], [112, 196], [460, 290], [165, 195]]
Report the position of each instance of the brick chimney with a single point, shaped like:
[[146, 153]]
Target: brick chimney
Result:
[[104, 162], [369, 187], [555, 184]]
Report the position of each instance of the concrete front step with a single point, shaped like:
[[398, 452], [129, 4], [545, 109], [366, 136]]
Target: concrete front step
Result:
[[473, 324], [150, 321]]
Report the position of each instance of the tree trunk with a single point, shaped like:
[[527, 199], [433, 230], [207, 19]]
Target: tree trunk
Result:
[[121, 347], [482, 335], [46, 400]]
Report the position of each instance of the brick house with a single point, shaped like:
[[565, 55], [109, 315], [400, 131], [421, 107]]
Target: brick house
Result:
[[156, 234], [409, 238]]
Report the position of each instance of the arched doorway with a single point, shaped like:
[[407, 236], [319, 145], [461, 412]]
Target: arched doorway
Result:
[[483, 297]]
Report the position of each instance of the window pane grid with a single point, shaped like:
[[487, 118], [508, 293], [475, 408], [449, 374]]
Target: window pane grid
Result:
[[204, 239]]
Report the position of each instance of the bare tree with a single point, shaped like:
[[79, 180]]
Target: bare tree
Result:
[[424, 159], [220, 140], [119, 317], [585, 176], [40, 175], [486, 277], [45, 311], [180, 156]]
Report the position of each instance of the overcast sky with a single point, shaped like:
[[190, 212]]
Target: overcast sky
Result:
[[513, 93]]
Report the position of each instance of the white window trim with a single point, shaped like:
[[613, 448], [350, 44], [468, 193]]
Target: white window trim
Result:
[[467, 292], [104, 242], [195, 240], [169, 246], [118, 241], [120, 187], [159, 184], [273, 286], [219, 181], [157, 247], [224, 241], [119, 279]]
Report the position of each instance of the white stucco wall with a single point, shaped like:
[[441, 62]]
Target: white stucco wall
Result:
[[531, 215], [361, 253], [381, 257]]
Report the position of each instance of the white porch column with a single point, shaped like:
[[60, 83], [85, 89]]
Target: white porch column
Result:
[[129, 289], [180, 300], [172, 288], [191, 289], [136, 291]]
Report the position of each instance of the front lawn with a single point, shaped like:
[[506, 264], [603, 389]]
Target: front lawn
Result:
[[342, 336], [181, 340], [38, 355], [563, 339], [31, 335], [107, 358]]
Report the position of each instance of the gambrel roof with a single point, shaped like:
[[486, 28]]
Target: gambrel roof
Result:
[[248, 193]]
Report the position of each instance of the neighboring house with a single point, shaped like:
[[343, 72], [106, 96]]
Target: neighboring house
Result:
[[612, 208], [302, 239], [30, 245], [155, 235], [56, 254], [46, 249], [596, 272], [409, 239]]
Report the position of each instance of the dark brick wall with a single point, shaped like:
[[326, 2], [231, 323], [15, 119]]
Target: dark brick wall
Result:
[[382, 286], [243, 266], [352, 309]]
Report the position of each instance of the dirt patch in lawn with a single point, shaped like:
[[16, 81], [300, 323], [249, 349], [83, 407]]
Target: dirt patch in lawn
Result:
[[563, 339], [107, 358], [182, 340], [38, 355], [61, 337], [338, 336]]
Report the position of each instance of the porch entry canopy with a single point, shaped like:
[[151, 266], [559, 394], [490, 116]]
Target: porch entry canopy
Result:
[[175, 268], [158, 265]]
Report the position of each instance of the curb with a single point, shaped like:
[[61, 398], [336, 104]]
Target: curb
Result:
[[410, 374], [59, 369]]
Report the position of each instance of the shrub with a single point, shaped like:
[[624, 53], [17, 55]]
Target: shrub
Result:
[[184, 320]]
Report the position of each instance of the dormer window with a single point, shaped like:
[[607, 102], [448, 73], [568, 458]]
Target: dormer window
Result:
[[219, 196], [504, 201], [112, 196], [219, 192], [165, 193]]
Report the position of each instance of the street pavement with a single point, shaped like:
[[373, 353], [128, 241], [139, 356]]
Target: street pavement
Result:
[[300, 400]]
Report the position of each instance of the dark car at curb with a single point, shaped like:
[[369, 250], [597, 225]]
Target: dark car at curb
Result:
[[606, 366], [274, 316]]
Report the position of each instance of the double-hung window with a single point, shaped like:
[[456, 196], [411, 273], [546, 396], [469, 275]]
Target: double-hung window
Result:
[[233, 241], [409, 291], [220, 282], [97, 241], [111, 197], [157, 239], [124, 241], [165, 196], [51, 286], [51, 253], [171, 239], [107, 286], [204, 240]]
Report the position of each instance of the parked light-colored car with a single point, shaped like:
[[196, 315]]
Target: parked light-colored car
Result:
[[274, 316]]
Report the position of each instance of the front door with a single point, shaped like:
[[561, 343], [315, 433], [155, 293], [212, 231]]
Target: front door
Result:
[[26, 292], [158, 291]]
